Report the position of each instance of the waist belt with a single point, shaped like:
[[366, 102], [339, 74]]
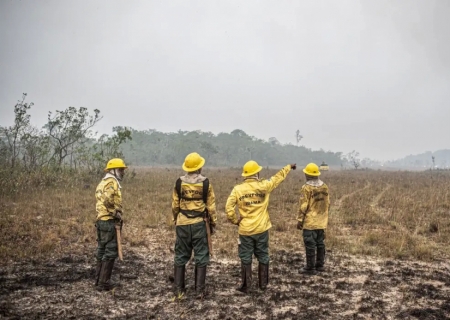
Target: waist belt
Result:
[[190, 199], [192, 214]]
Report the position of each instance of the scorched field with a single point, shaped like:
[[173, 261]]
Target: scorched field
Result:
[[388, 249]]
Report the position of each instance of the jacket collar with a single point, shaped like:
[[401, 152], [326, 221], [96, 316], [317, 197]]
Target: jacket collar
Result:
[[315, 183], [109, 175], [251, 178], [193, 178]]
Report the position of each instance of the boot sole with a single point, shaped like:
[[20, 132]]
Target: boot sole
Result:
[[242, 290], [309, 273], [107, 288]]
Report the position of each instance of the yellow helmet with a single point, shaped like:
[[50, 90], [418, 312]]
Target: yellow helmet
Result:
[[251, 168], [312, 169], [193, 162], [115, 163]]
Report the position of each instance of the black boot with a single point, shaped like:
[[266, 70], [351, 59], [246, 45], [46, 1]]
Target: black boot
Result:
[[98, 269], [263, 275], [105, 283], [178, 275], [200, 278], [310, 262], [246, 278], [320, 259]]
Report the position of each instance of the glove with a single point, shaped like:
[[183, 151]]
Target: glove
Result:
[[213, 228], [239, 221], [294, 166], [300, 225]]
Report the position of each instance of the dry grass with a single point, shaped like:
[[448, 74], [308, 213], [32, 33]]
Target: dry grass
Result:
[[390, 214]]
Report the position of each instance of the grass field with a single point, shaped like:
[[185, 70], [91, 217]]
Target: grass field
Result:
[[390, 214], [398, 218]]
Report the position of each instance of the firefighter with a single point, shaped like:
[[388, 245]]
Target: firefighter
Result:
[[313, 218], [252, 198], [193, 206], [109, 213]]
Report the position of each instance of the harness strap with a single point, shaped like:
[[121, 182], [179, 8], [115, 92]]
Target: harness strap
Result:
[[192, 213], [205, 190]]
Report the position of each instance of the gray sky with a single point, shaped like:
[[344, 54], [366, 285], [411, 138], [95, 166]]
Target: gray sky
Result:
[[373, 76]]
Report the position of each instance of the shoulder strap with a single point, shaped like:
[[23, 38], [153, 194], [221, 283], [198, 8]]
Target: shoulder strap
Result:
[[205, 190], [178, 188]]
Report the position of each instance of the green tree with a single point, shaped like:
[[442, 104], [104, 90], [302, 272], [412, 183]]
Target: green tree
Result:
[[152, 147], [96, 153]]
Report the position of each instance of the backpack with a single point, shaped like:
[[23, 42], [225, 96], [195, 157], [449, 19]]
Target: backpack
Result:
[[191, 213]]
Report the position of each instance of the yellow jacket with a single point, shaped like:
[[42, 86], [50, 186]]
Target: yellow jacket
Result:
[[109, 197], [314, 204], [252, 199], [192, 186]]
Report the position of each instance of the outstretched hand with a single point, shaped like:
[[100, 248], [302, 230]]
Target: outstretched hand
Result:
[[294, 166]]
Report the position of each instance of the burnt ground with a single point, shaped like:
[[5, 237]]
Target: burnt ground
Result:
[[352, 288]]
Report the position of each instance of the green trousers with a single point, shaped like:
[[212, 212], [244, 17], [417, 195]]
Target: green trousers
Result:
[[257, 244], [192, 237], [106, 240], [313, 239]]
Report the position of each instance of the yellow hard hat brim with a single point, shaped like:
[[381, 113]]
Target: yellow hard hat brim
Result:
[[311, 174], [107, 169], [252, 173], [202, 163]]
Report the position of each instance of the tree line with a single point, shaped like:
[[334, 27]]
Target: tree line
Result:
[[67, 143], [152, 147]]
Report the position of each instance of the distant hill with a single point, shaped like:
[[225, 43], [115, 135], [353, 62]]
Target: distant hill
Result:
[[152, 147], [424, 160]]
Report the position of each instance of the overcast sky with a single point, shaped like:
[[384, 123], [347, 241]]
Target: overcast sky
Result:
[[372, 76]]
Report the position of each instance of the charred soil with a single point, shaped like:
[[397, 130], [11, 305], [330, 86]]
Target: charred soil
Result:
[[388, 235], [352, 287]]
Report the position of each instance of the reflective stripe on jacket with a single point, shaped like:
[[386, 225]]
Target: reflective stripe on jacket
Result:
[[252, 200]]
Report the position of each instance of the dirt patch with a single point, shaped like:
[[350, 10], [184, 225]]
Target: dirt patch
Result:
[[351, 288]]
